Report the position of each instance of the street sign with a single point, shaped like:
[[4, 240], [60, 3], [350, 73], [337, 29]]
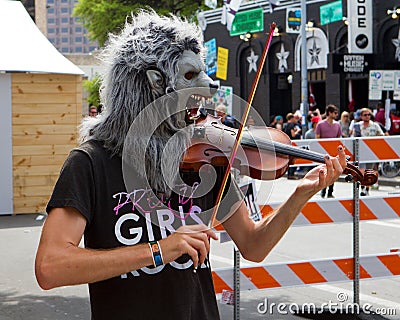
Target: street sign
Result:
[[331, 12], [248, 21], [397, 81], [293, 20], [383, 80], [375, 85], [388, 80], [351, 63]]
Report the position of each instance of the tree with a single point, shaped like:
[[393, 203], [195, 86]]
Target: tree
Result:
[[101, 17], [92, 87]]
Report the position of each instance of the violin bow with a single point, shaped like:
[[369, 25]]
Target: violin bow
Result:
[[242, 123]]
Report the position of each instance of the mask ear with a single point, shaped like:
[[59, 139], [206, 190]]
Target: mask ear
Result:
[[156, 81]]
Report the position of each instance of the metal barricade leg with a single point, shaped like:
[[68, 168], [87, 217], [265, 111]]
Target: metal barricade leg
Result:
[[356, 231], [236, 283]]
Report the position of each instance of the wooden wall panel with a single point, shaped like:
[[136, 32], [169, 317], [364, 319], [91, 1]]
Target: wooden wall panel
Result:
[[30, 204], [47, 129], [36, 108], [39, 88], [51, 118], [42, 150], [22, 181], [44, 139], [47, 109]]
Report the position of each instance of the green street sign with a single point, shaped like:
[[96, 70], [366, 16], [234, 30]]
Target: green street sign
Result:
[[248, 21], [331, 12]]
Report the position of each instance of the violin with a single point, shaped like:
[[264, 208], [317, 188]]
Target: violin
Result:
[[264, 153], [256, 156]]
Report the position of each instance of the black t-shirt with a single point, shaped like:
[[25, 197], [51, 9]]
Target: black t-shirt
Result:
[[288, 130], [91, 181]]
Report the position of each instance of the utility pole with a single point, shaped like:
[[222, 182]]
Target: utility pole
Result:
[[304, 76]]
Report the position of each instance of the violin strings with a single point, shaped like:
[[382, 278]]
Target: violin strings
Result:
[[278, 147]]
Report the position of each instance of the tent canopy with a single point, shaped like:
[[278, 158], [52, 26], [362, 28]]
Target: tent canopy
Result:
[[23, 48]]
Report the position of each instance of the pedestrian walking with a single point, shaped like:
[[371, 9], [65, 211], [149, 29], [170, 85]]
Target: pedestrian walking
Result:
[[329, 128]]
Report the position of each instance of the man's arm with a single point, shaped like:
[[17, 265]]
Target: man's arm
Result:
[[317, 131], [294, 131], [60, 261], [256, 240]]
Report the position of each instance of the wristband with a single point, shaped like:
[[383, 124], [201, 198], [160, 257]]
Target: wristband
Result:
[[156, 253]]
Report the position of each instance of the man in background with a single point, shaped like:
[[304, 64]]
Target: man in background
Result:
[[329, 128], [226, 119], [93, 111], [367, 128]]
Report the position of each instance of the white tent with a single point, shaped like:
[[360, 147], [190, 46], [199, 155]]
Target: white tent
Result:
[[23, 48]]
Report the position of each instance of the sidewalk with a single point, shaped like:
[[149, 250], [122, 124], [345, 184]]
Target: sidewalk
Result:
[[22, 298]]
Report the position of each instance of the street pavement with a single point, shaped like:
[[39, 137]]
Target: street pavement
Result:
[[21, 298]]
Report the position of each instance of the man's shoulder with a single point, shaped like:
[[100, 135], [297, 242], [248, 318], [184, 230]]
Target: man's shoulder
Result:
[[91, 147], [310, 134], [376, 124], [93, 150], [321, 124], [337, 124], [377, 127]]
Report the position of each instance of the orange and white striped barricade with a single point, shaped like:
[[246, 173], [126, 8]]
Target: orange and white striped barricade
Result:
[[295, 274], [341, 210], [323, 146], [377, 149], [307, 273], [371, 149]]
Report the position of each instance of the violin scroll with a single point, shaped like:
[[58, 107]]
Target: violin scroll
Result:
[[366, 178], [370, 177]]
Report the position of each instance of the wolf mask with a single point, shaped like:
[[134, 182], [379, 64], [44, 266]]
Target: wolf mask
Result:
[[151, 57]]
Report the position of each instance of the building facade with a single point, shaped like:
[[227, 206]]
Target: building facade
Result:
[[63, 30], [337, 72]]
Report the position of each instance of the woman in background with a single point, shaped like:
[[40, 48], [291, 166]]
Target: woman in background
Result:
[[345, 124]]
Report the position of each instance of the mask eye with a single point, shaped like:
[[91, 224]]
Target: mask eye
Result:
[[189, 75]]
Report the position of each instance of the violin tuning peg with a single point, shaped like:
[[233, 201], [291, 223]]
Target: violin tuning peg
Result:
[[348, 178]]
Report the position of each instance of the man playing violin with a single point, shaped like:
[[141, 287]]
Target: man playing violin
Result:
[[142, 220]]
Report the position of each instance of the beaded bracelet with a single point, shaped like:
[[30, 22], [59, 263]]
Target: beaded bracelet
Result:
[[156, 253]]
